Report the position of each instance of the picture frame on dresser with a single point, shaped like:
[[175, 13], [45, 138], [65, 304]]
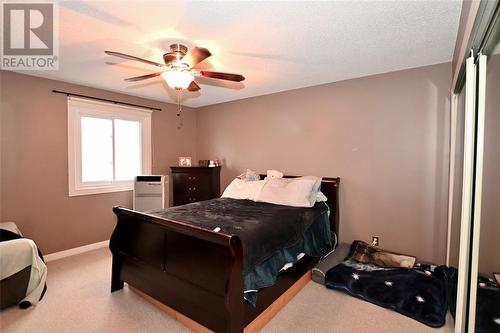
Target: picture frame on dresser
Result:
[[185, 161]]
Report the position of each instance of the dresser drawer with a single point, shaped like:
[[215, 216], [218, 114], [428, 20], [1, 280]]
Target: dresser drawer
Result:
[[185, 183], [193, 184], [183, 199], [184, 178]]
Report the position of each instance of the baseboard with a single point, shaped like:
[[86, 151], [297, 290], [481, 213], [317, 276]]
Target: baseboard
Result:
[[76, 250]]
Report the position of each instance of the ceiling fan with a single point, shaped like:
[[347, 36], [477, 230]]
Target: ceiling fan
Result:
[[178, 70]]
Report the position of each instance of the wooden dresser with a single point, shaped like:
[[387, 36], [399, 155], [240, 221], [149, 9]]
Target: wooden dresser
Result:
[[195, 184]]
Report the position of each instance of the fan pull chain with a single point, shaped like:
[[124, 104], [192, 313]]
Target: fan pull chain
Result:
[[179, 105]]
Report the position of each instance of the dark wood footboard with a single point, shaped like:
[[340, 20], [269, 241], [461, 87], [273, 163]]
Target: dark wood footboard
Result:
[[193, 270]]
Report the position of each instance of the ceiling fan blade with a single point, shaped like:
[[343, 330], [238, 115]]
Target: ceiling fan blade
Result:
[[143, 77], [223, 76], [193, 86], [195, 56], [129, 57]]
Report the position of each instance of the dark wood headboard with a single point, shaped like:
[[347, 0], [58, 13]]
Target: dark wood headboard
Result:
[[330, 188]]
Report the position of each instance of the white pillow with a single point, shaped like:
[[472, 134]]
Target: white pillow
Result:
[[241, 189], [315, 190], [320, 197], [297, 192]]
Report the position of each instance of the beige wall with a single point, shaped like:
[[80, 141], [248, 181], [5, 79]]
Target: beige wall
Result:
[[386, 136], [34, 172], [489, 248]]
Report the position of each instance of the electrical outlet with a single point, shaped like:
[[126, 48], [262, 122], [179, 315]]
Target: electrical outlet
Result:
[[375, 240]]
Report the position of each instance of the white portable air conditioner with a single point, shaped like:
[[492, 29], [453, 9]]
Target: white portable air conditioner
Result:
[[150, 192]]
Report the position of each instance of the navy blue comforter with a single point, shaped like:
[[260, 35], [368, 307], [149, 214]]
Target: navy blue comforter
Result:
[[271, 235]]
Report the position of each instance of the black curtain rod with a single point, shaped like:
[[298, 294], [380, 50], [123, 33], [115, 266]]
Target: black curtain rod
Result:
[[104, 100]]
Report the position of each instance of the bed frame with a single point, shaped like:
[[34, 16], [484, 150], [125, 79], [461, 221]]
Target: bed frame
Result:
[[194, 271]]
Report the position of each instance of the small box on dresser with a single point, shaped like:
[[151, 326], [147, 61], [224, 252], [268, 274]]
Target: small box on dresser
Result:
[[193, 184]]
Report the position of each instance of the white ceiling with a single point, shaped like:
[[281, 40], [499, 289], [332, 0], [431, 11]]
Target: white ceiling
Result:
[[277, 46]]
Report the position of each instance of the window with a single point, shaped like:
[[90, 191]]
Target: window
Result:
[[108, 145]]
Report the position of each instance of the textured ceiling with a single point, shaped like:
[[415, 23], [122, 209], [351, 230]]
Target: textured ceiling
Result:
[[277, 46]]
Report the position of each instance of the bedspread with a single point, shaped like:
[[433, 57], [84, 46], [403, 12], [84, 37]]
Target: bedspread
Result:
[[271, 235]]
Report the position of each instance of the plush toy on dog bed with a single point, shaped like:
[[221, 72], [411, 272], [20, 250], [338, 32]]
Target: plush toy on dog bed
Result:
[[360, 252]]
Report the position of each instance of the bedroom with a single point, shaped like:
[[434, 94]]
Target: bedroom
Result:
[[371, 92]]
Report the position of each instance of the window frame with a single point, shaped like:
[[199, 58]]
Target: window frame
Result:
[[81, 107]]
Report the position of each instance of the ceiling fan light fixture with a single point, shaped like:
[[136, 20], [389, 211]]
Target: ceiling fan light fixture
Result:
[[177, 79]]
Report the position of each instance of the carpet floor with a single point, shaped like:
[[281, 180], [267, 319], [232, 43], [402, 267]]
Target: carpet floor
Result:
[[78, 300]]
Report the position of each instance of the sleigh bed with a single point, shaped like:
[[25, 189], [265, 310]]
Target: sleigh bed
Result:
[[197, 274]]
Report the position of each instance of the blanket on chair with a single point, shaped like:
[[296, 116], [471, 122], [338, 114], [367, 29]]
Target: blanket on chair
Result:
[[22, 269]]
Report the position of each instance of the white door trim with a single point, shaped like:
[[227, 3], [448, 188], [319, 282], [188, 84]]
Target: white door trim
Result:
[[451, 178], [478, 189], [466, 217]]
